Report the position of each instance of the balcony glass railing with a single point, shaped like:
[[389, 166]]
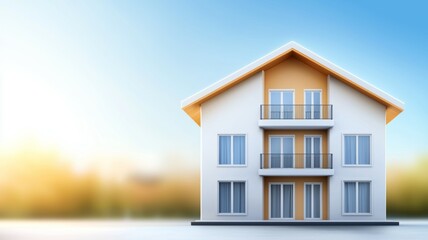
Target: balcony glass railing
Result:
[[296, 160], [295, 111]]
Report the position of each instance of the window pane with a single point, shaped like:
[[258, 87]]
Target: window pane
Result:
[[275, 156], [275, 101], [275, 201], [308, 201], [308, 151], [288, 102], [239, 197], [288, 152], [287, 201], [350, 150], [317, 201], [239, 150], [308, 104], [224, 197], [350, 197], [317, 106], [224, 150], [364, 197], [363, 150], [317, 152]]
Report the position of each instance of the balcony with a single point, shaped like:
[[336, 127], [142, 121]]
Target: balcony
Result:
[[296, 164], [280, 116]]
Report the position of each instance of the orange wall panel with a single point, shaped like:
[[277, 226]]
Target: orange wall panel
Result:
[[294, 74]]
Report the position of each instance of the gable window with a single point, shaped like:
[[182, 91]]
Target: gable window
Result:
[[231, 150], [357, 149], [231, 197], [313, 104], [281, 104], [356, 197]]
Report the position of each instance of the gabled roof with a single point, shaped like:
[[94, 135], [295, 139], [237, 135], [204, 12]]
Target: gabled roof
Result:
[[191, 105]]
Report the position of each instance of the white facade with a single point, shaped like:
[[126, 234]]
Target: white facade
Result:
[[358, 111], [236, 111]]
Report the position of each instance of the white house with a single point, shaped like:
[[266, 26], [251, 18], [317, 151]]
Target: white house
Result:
[[292, 137]]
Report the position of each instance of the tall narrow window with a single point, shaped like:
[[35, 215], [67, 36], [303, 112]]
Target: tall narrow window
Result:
[[356, 197], [364, 150], [225, 197], [357, 149], [312, 200], [225, 150], [313, 104], [313, 152], [350, 197], [231, 150], [231, 197]]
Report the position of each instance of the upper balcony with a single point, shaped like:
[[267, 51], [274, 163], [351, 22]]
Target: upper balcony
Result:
[[296, 164], [296, 116]]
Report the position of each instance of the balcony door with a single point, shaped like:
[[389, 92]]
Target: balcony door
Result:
[[281, 104], [312, 200], [313, 104], [313, 153], [281, 151], [281, 201]]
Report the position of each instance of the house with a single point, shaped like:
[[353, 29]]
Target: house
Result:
[[292, 137]]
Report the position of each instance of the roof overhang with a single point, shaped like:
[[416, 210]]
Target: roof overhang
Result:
[[191, 105]]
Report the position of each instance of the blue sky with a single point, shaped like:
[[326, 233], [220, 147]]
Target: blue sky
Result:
[[103, 78]]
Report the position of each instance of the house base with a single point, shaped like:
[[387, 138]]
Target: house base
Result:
[[294, 223]]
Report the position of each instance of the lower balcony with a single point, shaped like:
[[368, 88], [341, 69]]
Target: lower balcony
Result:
[[296, 164]]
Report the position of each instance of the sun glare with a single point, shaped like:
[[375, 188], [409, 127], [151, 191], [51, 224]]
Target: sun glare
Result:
[[31, 109]]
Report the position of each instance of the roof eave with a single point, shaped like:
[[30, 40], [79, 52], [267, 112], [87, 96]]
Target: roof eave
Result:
[[191, 104]]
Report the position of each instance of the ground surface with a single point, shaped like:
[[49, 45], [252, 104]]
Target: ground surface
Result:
[[173, 229]]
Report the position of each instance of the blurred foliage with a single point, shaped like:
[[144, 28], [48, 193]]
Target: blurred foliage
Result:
[[407, 188], [40, 184], [37, 184]]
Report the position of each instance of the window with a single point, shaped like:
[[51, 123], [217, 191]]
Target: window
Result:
[[282, 200], [231, 150], [357, 197], [357, 150], [313, 104], [281, 104], [312, 200], [313, 152], [231, 197], [281, 151]]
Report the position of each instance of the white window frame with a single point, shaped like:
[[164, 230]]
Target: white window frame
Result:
[[231, 198], [357, 164], [312, 103], [282, 102], [357, 196], [231, 152], [312, 159], [282, 149], [294, 200], [312, 200]]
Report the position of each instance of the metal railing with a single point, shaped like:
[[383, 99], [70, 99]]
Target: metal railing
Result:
[[296, 160], [296, 111]]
